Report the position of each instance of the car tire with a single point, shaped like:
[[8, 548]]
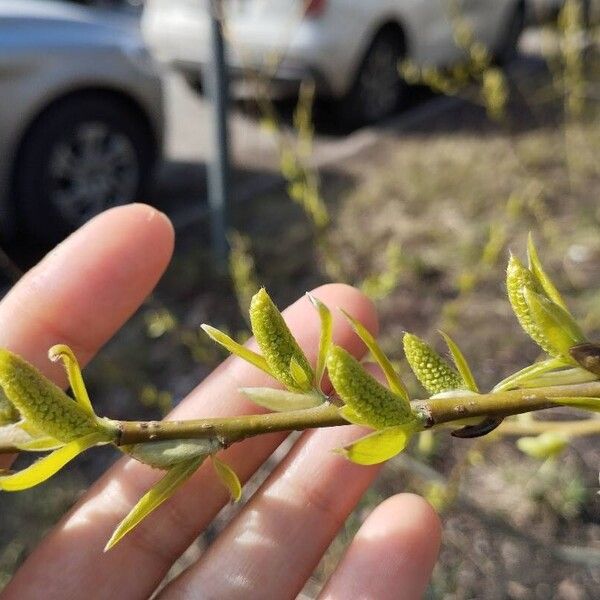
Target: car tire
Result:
[[378, 89], [83, 155], [509, 43]]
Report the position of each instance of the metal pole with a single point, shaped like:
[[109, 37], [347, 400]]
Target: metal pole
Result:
[[218, 168]]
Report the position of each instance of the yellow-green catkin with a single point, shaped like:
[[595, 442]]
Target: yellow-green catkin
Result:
[[40, 402], [276, 341], [434, 373], [8, 413], [495, 92], [518, 277], [364, 394]]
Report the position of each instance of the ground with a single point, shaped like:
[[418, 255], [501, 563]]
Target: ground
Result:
[[432, 208]]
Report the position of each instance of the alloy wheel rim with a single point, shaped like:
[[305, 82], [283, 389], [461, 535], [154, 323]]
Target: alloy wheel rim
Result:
[[96, 167]]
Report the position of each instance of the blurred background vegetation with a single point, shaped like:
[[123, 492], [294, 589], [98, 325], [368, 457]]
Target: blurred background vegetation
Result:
[[422, 220]]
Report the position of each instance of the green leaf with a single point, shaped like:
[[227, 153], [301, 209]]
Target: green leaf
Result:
[[325, 338], [535, 266], [276, 341], [521, 377], [41, 444], [377, 405], [44, 468], [232, 346], [165, 454], [557, 325], [543, 446], [396, 384], [560, 377], [281, 400], [298, 374], [64, 353], [154, 497], [434, 373], [590, 404], [461, 363], [228, 477], [15, 434], [377, 447]]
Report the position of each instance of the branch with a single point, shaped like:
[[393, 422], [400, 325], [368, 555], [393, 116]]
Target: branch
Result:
[[432, 412]]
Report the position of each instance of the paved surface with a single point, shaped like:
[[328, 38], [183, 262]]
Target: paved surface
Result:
[[181, 189]]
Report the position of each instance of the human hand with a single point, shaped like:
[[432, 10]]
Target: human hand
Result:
[[80, 295]]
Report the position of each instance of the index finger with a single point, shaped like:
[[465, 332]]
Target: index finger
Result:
[[86, 288]]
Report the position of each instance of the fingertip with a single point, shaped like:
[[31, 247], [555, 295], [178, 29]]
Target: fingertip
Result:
[[85, 288], [143, 219], [393, 553], [406, 514]]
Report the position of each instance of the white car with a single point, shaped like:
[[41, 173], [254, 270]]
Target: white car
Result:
[[81, 116], [351, 48]]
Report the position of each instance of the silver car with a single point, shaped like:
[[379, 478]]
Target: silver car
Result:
[[81, 116]]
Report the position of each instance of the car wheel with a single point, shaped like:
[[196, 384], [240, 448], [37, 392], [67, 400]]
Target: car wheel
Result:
[[378, 88], [82, 156], [509, 43]]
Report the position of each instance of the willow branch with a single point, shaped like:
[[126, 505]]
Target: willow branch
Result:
[[432, 412]]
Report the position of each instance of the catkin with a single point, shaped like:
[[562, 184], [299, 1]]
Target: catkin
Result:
[[434, 373], [276, 341], [40, 402], [518, 277], [364, 394]]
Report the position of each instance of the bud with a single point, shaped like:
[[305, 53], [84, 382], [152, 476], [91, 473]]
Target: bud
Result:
[[278, 346], [546, 445], [518, 277], [434, 373], [364, 394], [41, 403], [556, 325]]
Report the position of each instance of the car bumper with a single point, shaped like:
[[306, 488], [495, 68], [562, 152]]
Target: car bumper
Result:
[[245, 81]]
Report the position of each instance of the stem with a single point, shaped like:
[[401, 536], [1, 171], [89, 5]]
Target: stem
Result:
[[431, 412], [231, 429]]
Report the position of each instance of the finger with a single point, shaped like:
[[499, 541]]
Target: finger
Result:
[[286, 527], [151, 548], [86, 288], [392, 555]]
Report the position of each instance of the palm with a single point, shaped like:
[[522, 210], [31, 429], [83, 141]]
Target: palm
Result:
[[80, 295]]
